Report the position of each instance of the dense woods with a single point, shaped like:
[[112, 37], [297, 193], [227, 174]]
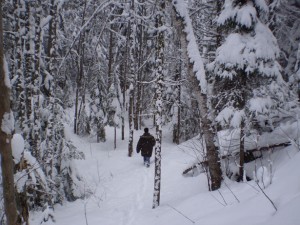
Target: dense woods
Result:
[[201, 67]]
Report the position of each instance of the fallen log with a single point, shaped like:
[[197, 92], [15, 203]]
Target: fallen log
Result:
[[265, 148], [203, 165], [250, 155]]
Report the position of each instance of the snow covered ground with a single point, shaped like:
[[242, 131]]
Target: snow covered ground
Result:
[[119, 190]]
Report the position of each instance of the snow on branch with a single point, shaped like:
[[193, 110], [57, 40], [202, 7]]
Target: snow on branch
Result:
[[6, 74], [192, 48], [245, 15], [8, 123], [96, 11]]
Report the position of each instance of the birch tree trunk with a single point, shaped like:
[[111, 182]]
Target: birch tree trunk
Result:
[[131, 61], [5, 139], [159, 75]]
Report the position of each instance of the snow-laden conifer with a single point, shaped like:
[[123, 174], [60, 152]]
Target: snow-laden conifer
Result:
[[249, 89], [247, 72]]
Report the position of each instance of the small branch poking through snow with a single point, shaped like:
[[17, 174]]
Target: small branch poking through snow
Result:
[[85, 214], [181, 214], [217, 199], [267, 196], [232, 192], [222, 197]]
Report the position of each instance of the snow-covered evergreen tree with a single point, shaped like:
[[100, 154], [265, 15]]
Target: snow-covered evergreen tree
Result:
[[48, 155], [285, 24], [97, 115], [249, 89]]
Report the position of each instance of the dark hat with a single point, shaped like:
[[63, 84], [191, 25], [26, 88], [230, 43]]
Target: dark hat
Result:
[[146, 130]]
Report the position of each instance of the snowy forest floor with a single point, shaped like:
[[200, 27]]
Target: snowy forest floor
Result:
[[119, 190]]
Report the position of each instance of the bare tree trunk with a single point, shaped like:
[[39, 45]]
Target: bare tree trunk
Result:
[[123, 129], [214, 166], [28, 72], [241, 106], [141, 107], [80, 75], [130, 112], [124, 72], [80, 86], [124, 98], [115, 137], [140, 33], [76, 109], [110, 59], [176, 128], [138, 103], [5, 139], [242, 152], [19, 90], [178, 116], [35, 82]]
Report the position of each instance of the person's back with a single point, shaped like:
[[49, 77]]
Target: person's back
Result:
[[145, 145]]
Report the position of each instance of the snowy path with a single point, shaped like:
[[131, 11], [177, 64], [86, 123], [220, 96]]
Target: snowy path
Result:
[[121, 187], [119, 191]]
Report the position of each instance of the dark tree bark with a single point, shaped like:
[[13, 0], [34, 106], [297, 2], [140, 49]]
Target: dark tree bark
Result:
[[28, 72], [123, 74], [130, 112], [80, 74], [140, 52], [5, 141], [35, 83], [110, 59], [242, 152]]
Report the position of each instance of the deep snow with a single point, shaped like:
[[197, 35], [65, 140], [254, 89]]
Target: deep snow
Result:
[[119, 190]]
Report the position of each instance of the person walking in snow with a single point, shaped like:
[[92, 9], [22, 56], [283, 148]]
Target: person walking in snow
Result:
[[145, 146]]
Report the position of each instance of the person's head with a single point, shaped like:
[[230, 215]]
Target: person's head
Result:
[[146, 130]]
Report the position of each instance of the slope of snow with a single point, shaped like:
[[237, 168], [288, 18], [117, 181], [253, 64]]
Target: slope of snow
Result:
[[119, 190]]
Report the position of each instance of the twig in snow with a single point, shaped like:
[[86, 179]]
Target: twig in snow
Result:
[[85, 204], [267, 196], [85, 214], [252, 187], [222, 197], [91, 149], [98, 171], [217, 199], [232, 192], [192, 221]]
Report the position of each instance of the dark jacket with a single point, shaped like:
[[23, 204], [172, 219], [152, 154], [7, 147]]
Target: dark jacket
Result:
[[145, 145]]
